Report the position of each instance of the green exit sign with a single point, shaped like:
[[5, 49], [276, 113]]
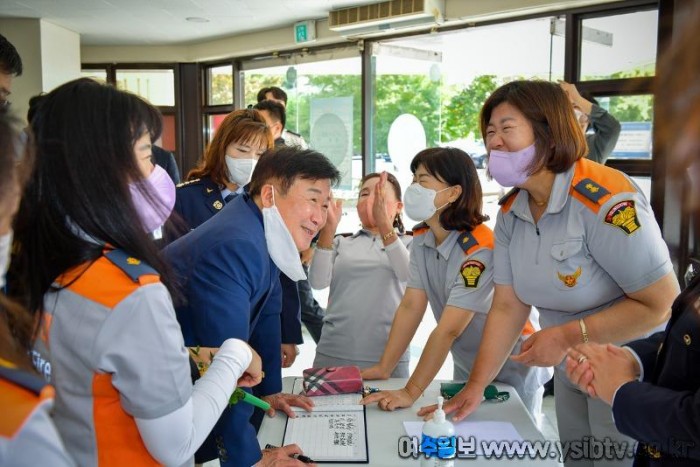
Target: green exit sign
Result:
[[305, 31]]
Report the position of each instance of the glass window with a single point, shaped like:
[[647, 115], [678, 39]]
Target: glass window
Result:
[[220, 85], [100, 75], [324, 107], [621, 46], [635, 115], [429, 90], [157, 86]]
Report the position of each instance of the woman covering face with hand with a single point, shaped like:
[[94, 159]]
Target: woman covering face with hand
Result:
[[451, 268], [374, 261], [108, 338]]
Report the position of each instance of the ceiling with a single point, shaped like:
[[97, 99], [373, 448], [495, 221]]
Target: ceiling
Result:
[[163, 22]]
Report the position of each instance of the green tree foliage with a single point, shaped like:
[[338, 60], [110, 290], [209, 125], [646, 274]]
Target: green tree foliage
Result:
[[221, 89], [461, 115], [400, 94], [632, 108]]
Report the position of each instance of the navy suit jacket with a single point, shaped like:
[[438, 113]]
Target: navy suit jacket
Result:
[[199, 200], [663, 411], [232, 288]]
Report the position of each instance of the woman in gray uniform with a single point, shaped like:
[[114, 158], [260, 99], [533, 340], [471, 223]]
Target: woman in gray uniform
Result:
[[451, 268], [373, 261], [576, 239]]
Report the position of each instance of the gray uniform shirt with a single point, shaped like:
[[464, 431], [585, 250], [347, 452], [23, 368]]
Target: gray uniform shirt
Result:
[[443, 272], [101, 325], [586, 251], [365, 293], [37, 443], [606, 131]]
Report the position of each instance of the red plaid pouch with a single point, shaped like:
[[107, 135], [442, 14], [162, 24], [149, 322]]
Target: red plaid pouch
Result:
[[332, 380]]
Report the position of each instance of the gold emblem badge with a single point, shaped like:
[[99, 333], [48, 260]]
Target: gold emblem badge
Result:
[[687, 339], [133, 261], [570, 280], [592, 188], [471, 272], [218, 204], [624, 216]]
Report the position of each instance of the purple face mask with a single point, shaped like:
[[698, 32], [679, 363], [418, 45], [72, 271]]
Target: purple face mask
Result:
[[155, 209], [510, 168]]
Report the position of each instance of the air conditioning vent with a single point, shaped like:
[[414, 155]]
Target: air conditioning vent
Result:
[[387, 15]]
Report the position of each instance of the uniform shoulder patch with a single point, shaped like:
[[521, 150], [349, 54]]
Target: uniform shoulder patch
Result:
[[594, 184], [189, 182], [23, 379], [624, 216], [420, 229], [467, 241], [471, 271], [506, 201], [131, 266], [591, 190]]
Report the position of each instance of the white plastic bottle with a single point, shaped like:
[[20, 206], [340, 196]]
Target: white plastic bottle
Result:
[[438, 428]]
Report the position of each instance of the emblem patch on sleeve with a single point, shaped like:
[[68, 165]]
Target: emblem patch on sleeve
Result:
[[624, 216], [471, 272]]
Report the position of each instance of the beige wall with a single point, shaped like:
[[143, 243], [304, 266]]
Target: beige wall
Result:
[[60, 55], [456, 11]]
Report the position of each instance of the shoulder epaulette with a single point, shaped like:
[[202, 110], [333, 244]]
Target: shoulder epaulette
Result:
[[504, 199], [591, 190], [480, 237], [466, 241], [132, 267], [23, 379], [420, 229], [594, 184], [507, 200], [188, 182]]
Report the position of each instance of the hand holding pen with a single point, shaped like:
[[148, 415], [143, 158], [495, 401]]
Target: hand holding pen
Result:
[[289, 455]]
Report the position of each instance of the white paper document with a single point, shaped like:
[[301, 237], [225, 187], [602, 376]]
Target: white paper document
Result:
[[335, 431], [481, 431]]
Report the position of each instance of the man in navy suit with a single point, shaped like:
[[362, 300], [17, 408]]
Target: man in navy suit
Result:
[[230, 278]]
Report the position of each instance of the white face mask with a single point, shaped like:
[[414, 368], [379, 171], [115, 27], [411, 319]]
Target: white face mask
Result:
[[240, 170], [5, 248], [419, 202], [280, 243]]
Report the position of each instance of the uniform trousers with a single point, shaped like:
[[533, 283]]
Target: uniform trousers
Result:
[[311, 312], [589, 423]]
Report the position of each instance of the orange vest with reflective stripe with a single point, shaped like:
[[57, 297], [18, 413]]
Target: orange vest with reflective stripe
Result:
[[118, 440]]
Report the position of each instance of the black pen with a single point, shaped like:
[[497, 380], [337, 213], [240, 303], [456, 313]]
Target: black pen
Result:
[[299, 457], [303, 458]]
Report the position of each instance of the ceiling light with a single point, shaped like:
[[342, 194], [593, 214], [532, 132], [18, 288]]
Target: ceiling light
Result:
[[196, 19]]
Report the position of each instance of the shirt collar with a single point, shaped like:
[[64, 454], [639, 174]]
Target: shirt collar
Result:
[[445, 248], [557, 198]]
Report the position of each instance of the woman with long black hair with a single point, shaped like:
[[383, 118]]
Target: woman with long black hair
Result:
[[108, 338]]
